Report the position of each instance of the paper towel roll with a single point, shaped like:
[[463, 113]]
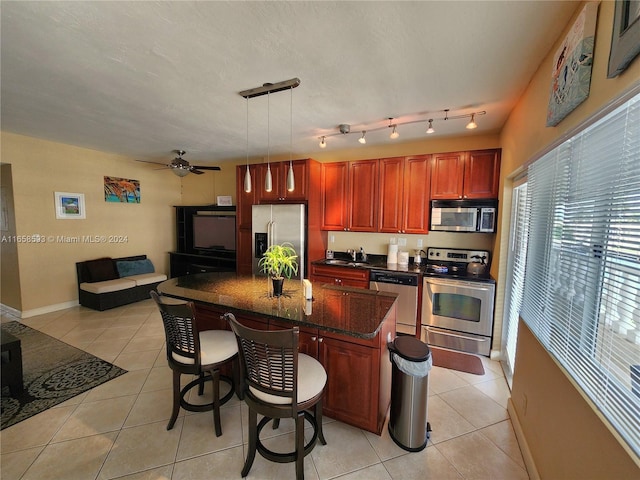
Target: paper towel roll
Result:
[[403, 258], [392, 253]]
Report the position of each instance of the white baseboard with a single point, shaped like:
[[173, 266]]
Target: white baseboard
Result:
[[39, 311], [522, 441]]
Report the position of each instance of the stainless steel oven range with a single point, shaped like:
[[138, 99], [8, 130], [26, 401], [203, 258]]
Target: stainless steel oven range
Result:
[[457, 306]]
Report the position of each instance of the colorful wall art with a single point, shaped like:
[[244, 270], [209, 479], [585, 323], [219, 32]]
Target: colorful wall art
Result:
[[571, 74], [122, 190]]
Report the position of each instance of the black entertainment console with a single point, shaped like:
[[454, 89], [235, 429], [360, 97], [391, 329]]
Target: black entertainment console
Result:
[[205, 240]]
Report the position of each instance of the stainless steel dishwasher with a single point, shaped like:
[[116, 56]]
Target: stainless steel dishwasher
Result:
[[406, 286]]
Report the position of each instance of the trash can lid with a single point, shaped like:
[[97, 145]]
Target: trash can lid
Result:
[[410, 348]]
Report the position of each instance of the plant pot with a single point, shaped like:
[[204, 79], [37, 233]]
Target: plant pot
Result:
[[277, 286]]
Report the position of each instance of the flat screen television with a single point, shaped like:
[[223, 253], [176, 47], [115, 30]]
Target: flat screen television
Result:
[[214, 232]]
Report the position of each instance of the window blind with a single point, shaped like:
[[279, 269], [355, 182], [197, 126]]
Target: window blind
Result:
[[582, 285]]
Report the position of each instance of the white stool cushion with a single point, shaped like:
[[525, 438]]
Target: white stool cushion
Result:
[[107, 286], [215, 346], [311, 380]]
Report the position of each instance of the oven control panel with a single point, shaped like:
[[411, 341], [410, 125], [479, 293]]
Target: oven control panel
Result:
[[437, 255]]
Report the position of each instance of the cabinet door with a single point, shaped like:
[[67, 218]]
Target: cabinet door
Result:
[[363, 196], [245, 200], [348, 396], [334, 184], [390, 204], [447, 175], [482, 174], [262, 196], [244, 251], [416, 194], [300, 177]]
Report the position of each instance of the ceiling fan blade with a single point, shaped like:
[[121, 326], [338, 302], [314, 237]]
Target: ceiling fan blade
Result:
[[149, 161], [197, 172], [206, 168]]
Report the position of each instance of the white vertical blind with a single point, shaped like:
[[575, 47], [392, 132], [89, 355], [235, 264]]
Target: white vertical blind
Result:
[[582, 284], [516, 274]]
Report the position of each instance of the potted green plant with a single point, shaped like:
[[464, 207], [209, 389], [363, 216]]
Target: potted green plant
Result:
[[279, 261]]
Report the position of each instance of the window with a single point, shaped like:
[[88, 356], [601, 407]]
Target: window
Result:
[[582, 285]]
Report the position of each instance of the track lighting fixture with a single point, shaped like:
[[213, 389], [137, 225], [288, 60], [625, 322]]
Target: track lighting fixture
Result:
[[344, 129], [430, 128], [267, 89]]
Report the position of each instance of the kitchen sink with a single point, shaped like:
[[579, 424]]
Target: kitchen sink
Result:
[[358, 264], [336, 262]]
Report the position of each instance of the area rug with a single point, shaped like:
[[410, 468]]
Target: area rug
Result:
[[53, 372], [460, 361]]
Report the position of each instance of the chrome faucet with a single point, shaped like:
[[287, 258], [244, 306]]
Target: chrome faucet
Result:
[[353, 254], [363, 255]]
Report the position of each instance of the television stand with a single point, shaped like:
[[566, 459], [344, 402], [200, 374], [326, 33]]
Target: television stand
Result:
[[189, 263]]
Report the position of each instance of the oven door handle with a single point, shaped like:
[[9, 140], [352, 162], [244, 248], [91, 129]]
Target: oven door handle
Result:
[[457, 335]]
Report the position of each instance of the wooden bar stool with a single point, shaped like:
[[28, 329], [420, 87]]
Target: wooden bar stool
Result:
[[279, 382], [192, 352]]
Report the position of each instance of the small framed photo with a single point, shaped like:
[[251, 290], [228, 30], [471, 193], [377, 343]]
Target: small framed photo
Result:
[[625, 39], [224, 200], [70, 206]]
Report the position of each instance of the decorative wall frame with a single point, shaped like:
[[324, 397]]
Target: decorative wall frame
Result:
[[625, 38], [70, 206], [121, 190], [571, 73]]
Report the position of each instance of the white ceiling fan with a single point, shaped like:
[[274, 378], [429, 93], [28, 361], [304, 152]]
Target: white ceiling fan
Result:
[[180, 167]]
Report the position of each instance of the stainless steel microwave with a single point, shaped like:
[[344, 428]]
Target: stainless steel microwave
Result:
[[464, 215]]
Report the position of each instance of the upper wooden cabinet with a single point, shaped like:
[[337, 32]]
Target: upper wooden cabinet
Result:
[[349, 196], [403, 205], [465, 175], [279, 172]]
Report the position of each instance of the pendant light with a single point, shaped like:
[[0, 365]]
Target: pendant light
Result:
[[430, 129], [268, 180], [291, 181], [247, 175], [362, 139]]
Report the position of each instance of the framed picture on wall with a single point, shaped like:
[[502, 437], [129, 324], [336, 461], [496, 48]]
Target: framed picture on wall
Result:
[[571, 71], [70, 206], [625, 39]]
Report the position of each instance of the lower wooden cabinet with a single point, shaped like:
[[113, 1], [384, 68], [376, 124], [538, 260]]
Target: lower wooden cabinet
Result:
[[340, 276]]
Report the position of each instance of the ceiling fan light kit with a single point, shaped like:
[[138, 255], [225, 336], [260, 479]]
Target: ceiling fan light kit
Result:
[[180, 167], [345, 129]]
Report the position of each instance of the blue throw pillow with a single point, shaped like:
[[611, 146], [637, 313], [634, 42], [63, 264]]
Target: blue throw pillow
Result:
[[126, 268]]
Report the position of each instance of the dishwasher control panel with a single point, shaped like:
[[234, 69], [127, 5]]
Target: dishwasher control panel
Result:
[[383, 276]]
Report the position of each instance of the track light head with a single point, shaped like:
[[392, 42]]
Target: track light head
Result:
[[430, 128], [472, 123], [362, 139], [394, 133], [323, 143]]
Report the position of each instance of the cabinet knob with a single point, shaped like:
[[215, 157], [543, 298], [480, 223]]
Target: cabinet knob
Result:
[[313, 339], [320, 339]]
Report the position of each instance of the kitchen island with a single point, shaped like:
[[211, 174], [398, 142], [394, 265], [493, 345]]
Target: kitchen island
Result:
[[346, 329]]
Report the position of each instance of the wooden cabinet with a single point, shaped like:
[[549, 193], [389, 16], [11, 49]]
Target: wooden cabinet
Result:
[[349, 196], [340, 276], [404, 194], [334, 187], [363, 195], [279, 192], [465, 175]]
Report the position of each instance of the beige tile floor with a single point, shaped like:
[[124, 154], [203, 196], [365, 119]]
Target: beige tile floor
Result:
[[118, 430]]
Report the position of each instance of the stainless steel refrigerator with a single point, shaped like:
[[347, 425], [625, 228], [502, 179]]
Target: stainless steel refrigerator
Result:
[[276, 224]]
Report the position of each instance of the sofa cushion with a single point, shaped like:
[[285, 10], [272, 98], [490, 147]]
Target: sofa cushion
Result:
[[108, 285], [126, 268], [148, 278], [101, 269]]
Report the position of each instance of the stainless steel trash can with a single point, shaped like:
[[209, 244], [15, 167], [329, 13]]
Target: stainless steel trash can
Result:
[[408, 425]]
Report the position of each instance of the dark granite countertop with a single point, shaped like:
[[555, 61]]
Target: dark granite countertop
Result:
[[348, 311]]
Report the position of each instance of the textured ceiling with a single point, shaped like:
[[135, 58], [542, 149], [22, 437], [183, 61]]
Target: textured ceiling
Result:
[[143, 78]]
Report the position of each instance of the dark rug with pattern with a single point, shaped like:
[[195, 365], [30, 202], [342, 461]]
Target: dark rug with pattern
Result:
[[53, 372], [463, 362]]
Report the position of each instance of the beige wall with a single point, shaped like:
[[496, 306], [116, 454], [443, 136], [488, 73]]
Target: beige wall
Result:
[[39, 168], [565, 436]]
